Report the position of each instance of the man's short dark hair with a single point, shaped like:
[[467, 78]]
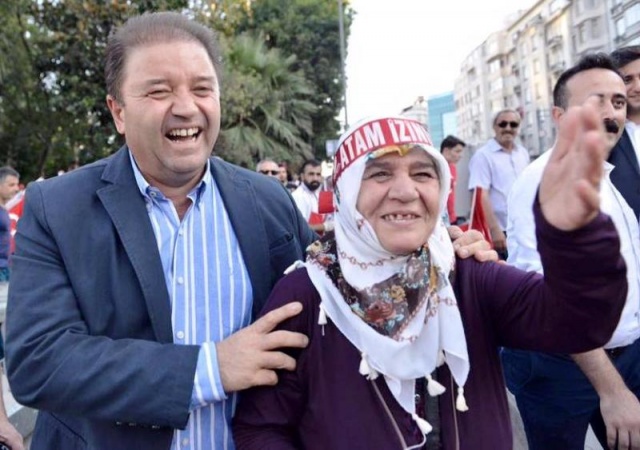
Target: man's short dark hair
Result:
[[450, 142], [587, 62], [148, 29], [625, 55], [8, 171], [309, 162]]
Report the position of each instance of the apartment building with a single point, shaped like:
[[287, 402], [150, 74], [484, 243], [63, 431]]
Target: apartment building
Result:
[[625, 20]]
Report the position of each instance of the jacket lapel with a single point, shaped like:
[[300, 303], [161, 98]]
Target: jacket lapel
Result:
[[129, 215], [624, 153], [240, 203]]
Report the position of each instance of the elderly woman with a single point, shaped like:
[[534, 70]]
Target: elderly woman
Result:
[[404, 338]]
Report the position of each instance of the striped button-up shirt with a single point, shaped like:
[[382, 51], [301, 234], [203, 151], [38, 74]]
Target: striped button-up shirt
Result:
[[211, 298]]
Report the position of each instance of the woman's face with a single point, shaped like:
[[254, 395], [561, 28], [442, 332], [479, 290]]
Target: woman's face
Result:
[[399, 197]]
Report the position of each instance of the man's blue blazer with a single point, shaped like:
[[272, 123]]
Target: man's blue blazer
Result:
[[89, 337]]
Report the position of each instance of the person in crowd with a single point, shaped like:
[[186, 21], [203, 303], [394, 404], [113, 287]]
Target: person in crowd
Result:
[[626, 154], [394, 320], [136, 278], [560, 395], [283, 174], [9, 436], [494, 167], [9, 187], [308, 194], [268, 167], [451, 148]]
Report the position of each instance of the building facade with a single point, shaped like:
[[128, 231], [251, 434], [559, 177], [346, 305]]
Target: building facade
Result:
[[442, 117]]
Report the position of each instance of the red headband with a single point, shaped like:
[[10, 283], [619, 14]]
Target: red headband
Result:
[[377, 134]]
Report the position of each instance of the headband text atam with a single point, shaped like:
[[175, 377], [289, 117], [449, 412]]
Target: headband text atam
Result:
[[376, 134]]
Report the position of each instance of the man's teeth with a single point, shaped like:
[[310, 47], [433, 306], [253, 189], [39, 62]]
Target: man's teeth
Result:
[[399, 217], [183, 132]]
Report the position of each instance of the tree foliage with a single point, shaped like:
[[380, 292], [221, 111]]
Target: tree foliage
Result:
[[266, 111], [308, 29], [53, 109], [281, 86]]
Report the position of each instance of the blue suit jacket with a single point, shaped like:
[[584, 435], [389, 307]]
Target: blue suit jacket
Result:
[[626, 175], [89, 338]]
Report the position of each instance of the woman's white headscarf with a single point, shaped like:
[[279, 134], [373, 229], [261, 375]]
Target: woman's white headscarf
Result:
[[435, 329]]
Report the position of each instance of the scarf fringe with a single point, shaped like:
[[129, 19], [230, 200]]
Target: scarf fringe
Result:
[[424, 426], [461, 402], [433, 387], [296, 265], [366, 370]]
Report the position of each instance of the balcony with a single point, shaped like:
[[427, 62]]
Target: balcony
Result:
[[557, 67], [554, 41]]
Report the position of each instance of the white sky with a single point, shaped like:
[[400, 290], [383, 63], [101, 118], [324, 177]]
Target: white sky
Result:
[[400, 49]]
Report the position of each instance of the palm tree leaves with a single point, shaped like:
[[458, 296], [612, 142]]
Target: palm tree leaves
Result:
[[266, 111]]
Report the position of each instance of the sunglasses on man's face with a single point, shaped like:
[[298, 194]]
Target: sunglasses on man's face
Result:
[[270, 172], [504, 124]]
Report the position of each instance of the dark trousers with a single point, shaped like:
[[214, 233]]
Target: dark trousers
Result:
[[556, 400]]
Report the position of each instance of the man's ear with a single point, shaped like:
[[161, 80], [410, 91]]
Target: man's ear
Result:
[[556, 113], [117, 112]]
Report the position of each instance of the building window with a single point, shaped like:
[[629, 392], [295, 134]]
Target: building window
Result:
[[620, 28], [495, 65], [589, 4], [582, 33], [596, 27], [536, 66], [632, 15]]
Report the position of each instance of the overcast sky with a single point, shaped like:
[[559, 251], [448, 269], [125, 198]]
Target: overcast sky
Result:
[[400, 49]]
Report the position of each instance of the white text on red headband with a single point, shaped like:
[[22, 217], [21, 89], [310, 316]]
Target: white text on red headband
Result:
[[378, 134]]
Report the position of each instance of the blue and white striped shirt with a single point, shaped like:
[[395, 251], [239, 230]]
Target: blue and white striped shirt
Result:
[[211, 298]]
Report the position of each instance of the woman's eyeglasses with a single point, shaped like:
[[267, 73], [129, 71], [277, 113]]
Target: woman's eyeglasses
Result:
[[270, 172], [504, 124]]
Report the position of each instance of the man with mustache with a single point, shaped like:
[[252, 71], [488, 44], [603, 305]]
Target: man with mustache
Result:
[[559, 396], [494, 168], [308, 194]]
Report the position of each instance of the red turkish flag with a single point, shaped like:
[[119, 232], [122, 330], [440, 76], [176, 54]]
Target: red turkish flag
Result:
[[477, 219], [15, 207]]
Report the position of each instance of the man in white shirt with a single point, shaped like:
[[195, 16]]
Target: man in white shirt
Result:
[[307, 195], [626, 154], [558, 395], [494, 168]]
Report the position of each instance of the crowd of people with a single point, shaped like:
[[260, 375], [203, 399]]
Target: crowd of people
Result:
[[195, 304]]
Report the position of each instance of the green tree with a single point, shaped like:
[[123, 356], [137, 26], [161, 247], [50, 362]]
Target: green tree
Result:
[[308, 29], [266, 111], [51, 80]]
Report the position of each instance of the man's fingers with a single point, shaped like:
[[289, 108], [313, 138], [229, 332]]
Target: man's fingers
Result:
[[612, 437], [635, 439], [265, 378], [273, 318], [568, 129], [285, 339], [623, 439], [277, 361], [454, 232]]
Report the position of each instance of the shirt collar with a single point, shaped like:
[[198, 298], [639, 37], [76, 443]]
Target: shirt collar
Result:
[[146, 189], [495, 146]]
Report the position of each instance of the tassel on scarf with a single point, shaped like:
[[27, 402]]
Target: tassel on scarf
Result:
[[441, 359], [433, 387], [296, 265], [322, 317], [366, 370], [424, 426], [461, 403]]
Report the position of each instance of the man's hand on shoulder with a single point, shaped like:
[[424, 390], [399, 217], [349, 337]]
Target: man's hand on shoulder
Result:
[[251, 356], [471, 243]]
